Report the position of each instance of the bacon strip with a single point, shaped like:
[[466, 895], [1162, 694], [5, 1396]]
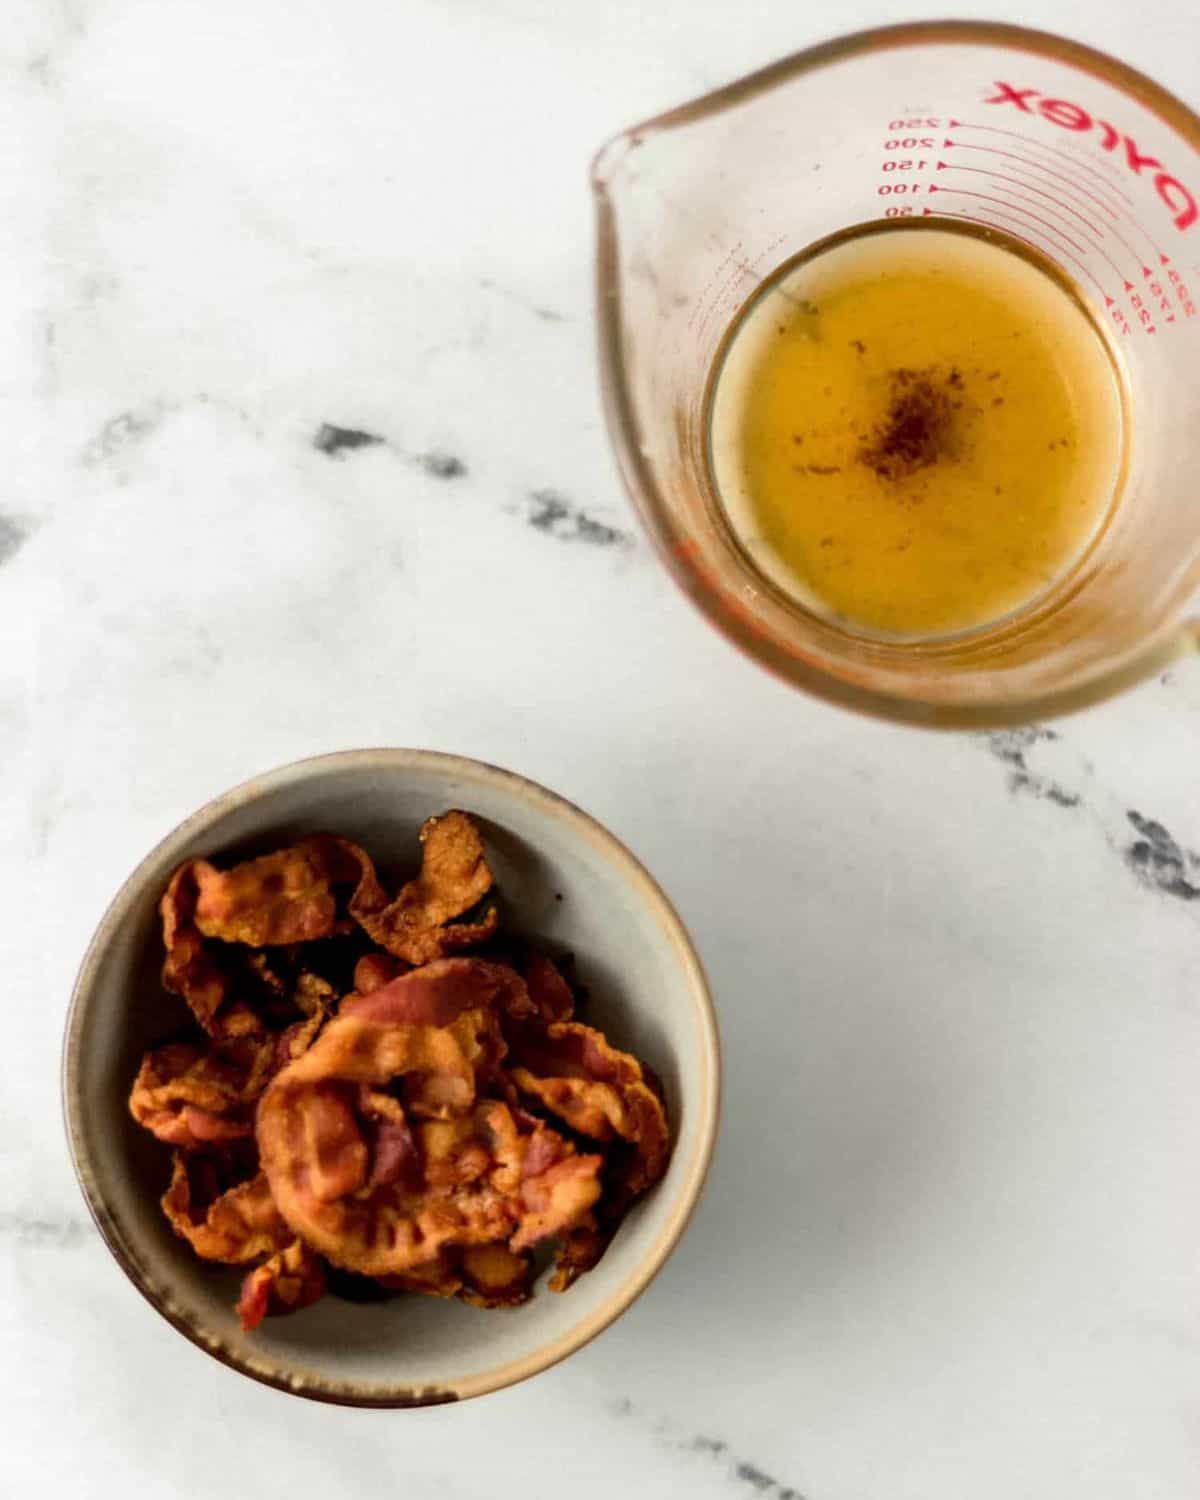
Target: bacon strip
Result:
[[191, 1098], [374, 970], [556, 1199], [495, 1276], [225, 987], [403, 1135], [293, 1278], [419, 925], [574, 1072], [337, 1144], [579, 1249], [285, 897], [434, 1278], [191, 969], [238, 1224], [549, 991], [438, 993]]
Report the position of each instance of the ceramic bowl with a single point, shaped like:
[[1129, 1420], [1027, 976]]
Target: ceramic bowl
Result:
[[564, 878]]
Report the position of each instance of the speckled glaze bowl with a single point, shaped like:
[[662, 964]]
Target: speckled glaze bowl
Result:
[[562, 877]]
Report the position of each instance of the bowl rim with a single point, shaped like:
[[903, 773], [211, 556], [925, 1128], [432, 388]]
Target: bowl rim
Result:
[[708, 1103]]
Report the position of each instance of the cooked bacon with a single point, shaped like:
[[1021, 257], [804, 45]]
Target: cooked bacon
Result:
[[549, 991], [544, 1149], [284, 897], [318, 1115], [395, 1157], [187, 1097], [315, 1151], [311, 994], [191, 969], [557, 1198], [295, 1040], [307, 991], [575, 1073], [293, 1278], [495, 1276], [437, 993], [403, 1135], [230, 991], [374, 970], [419, 924], [231, 1224], [434, 1278], [386, 1229], [579, 1249]]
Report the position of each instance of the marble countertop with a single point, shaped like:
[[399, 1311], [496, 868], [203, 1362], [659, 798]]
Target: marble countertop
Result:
[[312, 457]]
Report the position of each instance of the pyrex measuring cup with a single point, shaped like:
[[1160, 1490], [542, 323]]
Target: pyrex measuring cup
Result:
[[1086, 160]]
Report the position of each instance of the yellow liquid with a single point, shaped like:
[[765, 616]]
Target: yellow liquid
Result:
[[916, 431]]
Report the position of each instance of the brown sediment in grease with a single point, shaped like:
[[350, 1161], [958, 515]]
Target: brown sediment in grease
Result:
[[919, 428]]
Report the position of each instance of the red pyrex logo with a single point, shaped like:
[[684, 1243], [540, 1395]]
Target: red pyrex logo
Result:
[[1178, 199]]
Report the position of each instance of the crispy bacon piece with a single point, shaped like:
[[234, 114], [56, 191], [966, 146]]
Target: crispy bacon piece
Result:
[[228, 990], [574, 1072], [192, 1098], [294, 1040], [437, 993], [482, 1275], [495, 1276], [549, 991], [434, 1278], [403, 1135], [608, 1095], [296, 895], [374, 970], [284, 897], [231, 1224], [338, 1146], [311, 994], [268, 973], [187, 1097], [293, 1278], [307, 991], [556, 1199], [395, 1156], [419, 925], [579, 1250], [191, 968]]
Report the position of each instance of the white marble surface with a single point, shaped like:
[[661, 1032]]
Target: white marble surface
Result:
[[950, 1245]]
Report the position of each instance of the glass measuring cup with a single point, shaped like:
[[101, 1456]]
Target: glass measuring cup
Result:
[[1087, 161]]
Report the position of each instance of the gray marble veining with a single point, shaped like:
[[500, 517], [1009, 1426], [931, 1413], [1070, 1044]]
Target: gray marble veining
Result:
[[305, 452]]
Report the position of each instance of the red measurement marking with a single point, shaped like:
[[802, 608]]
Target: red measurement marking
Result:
[[1005, 203], [1133, 254], [1159, 292], [1040, 166], [1181, 290], [953, 166], [1057, 198], [1066, 159], [948, 213], [1059, 156], [1155, 248], [1145, 316], [1111, 228], [1091, 245]]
